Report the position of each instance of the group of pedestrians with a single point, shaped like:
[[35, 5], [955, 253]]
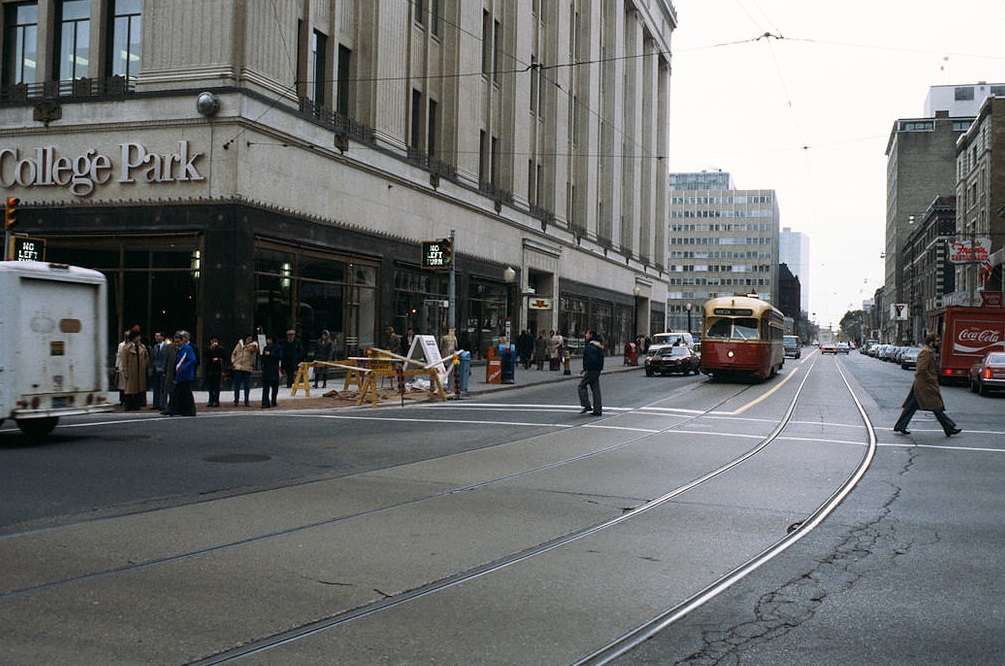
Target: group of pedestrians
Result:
[[167, 367]]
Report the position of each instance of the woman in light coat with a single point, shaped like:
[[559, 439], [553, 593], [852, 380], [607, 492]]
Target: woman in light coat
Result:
[[242, 362], [134, 364]]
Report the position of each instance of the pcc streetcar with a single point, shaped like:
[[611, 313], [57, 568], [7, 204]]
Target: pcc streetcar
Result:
[[742, 336]]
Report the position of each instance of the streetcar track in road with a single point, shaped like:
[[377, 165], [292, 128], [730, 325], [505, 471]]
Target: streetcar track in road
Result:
[[201, 552], [460, 577], [660, 622], [313, 628]]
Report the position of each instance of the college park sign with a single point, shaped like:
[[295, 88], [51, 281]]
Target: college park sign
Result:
[[82, 174]]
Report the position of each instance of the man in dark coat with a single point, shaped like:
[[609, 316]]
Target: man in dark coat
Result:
[[925, 391], [593, 365], [525, 347], [272, 357], [170, 361], [214, 368], [293, 353]]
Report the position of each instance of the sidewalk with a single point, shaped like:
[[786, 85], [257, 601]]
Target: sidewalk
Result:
[[317, 400]]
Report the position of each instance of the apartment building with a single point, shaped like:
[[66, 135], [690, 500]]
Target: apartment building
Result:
[[723, 241], [238, 166], [978, 248]]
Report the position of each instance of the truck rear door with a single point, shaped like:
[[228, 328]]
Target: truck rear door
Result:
[[57, 349]]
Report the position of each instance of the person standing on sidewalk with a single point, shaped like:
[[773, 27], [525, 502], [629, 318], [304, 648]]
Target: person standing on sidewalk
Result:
[[593, 365], [292, 354], [242, 361], [215, 367], [134, 371], [272, 358], [540, 350], [325, 353], [157, 367], [182, 400], [925, 392]]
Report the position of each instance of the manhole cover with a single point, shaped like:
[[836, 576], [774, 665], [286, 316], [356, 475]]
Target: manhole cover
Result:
[[238, 458]]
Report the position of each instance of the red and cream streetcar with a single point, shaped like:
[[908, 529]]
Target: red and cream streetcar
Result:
[[741, 336]]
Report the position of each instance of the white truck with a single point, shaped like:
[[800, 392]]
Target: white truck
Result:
[[52, 343]]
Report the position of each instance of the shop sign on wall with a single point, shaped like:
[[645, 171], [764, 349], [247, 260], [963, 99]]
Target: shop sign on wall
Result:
[[81, 174], [965, 251]]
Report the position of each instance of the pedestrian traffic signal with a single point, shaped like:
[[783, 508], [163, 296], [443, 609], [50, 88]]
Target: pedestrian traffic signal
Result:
[[10, 212]]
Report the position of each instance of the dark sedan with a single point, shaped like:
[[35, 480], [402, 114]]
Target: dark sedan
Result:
[[667, 360], [988, 374]]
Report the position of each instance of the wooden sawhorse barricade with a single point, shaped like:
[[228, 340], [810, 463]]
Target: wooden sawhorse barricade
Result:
[[366, 372]]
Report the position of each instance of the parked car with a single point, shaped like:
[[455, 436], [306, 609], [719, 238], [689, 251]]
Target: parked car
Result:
[[669, 339], [988, 374], [667, 360], [909, 358]]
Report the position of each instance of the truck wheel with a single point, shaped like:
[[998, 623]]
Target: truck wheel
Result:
[[37, 427]]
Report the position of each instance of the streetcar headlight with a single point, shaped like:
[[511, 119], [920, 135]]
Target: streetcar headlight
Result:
[[730, 354]]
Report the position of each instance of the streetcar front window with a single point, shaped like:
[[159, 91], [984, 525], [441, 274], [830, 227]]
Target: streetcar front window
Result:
[[746, 329], [720, 329], [740, 328]]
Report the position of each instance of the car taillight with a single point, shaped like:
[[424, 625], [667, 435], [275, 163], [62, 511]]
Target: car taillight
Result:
[[987, 373]]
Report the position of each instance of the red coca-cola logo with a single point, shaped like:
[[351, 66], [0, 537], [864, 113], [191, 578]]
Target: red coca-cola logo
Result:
[[974, 334]]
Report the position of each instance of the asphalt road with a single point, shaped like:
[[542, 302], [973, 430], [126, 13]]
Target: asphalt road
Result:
[[908, 568]]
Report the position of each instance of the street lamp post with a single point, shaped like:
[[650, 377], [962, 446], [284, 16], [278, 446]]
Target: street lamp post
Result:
[[509, 277], [688, 308], [635, 317]]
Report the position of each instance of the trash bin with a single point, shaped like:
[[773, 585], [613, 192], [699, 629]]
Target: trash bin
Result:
[[507, 356], [631, 354], [464, 369]]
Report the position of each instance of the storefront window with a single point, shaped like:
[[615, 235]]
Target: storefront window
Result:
[[623, 331], [418, 299], [309, 292], [602, 321], [573, 317], [486, 317], [657, 321], [151, 281]]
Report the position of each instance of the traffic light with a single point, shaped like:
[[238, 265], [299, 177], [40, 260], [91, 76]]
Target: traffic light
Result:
[[447, 245], [10, 212]]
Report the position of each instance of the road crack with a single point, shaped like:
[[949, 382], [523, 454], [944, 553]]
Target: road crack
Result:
[[870, 547]]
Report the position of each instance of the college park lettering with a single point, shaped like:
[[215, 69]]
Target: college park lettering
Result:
[[83, 173]]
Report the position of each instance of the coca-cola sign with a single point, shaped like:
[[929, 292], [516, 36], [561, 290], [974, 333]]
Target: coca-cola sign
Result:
[[975, 338]]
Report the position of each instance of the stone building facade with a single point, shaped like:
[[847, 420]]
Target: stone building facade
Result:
[[239, 166]]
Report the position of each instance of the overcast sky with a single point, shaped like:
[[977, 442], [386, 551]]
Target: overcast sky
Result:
[[807, 112]]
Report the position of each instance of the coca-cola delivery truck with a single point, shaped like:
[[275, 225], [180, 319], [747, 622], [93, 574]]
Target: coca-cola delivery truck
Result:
[[52, 326], [968, 333]]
